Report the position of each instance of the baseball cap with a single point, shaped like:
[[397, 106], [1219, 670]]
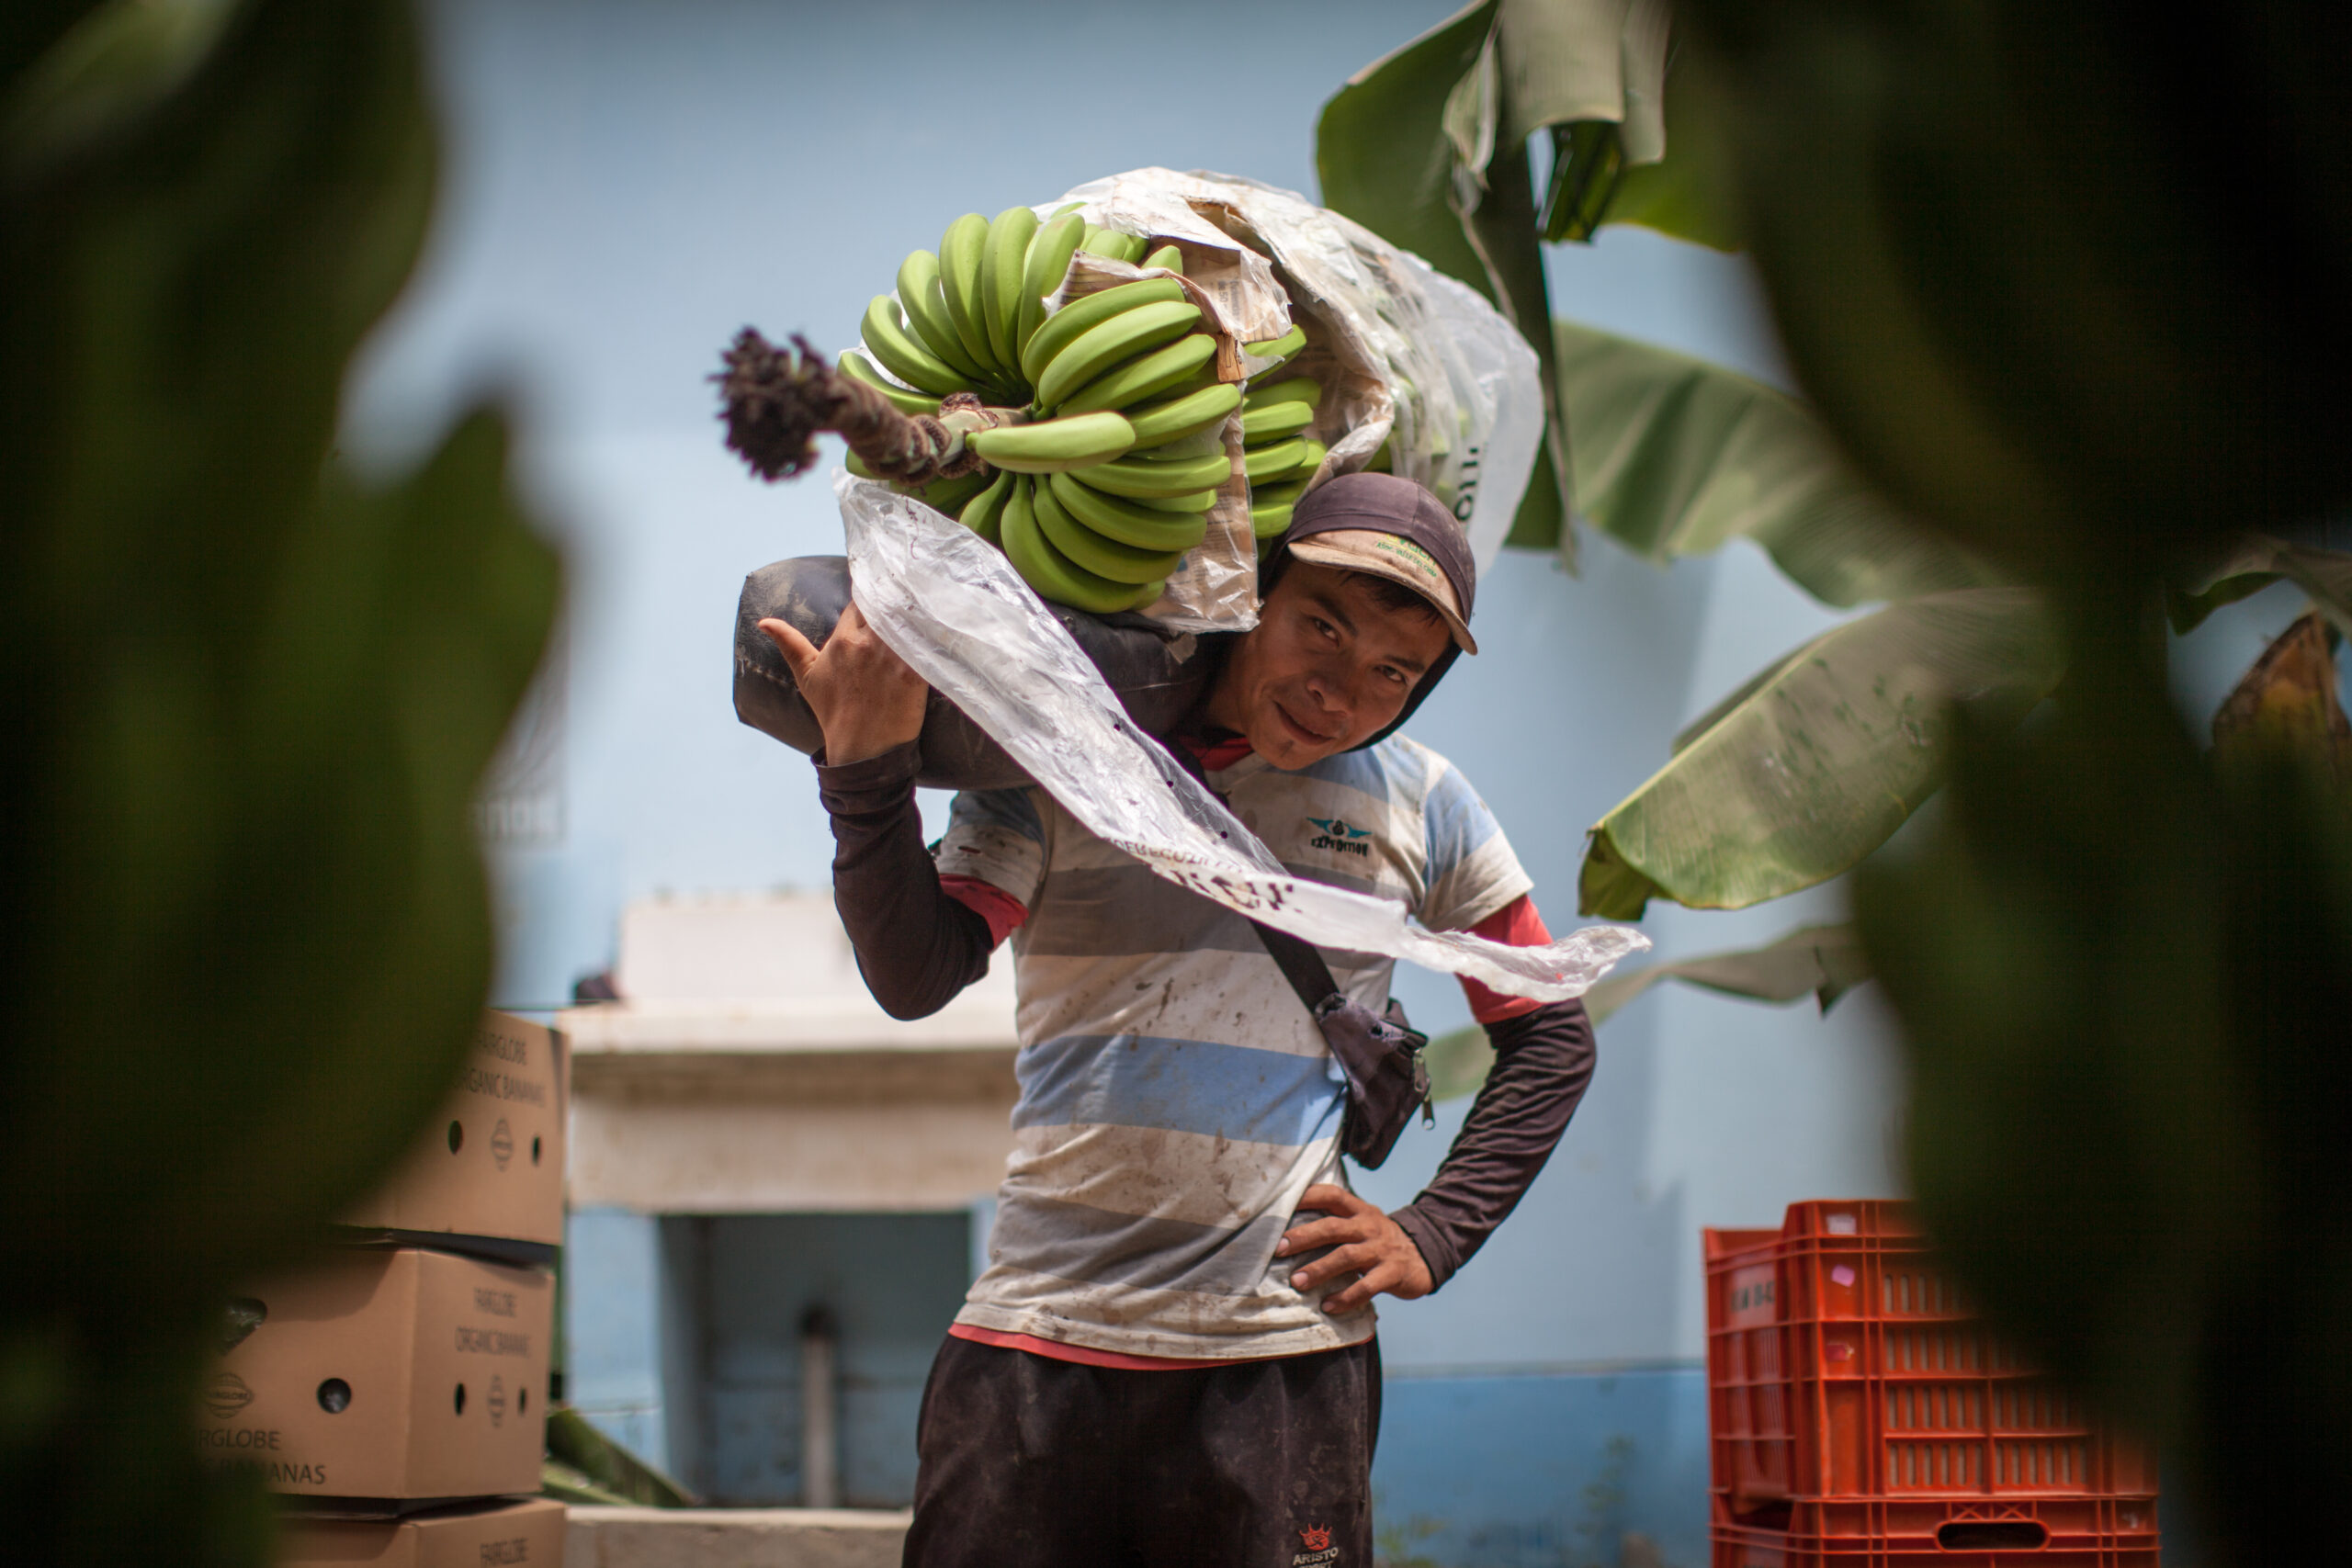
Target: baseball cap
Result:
[[1390, 527]]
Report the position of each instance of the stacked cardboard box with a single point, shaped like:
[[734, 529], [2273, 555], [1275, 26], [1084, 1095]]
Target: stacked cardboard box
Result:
[[395, 1389]]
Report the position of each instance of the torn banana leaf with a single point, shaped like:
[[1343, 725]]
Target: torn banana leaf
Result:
[[1820, 962], [1796, 776], [1676, 457], [2253, 563], [1427, 147]]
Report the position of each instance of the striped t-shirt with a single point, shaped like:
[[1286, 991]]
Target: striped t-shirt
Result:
[[1176, 1097]]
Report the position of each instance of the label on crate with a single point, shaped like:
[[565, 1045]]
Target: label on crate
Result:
[[1754, 1299]]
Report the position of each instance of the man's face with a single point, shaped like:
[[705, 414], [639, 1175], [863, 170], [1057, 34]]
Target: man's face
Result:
[[1329, 667]]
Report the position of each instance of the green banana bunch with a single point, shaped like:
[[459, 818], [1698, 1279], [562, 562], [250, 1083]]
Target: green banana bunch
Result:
[[1279, 451], [857, 367], [1096, 498], [1053, 574], [1277, 349], [984, 511], [1055, 444]]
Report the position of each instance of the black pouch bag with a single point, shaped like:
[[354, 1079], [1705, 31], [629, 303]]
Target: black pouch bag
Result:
[[1381, 1055]]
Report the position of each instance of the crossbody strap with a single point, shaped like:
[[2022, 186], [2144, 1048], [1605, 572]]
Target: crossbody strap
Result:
[[1380, 1055], [1302, 964], [1299, 960]]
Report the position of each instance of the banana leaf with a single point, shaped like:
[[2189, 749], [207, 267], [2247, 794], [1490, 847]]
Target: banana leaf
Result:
[[2287, 702], [2253, 563], [1427, 147], [582, 1458], [1396, 144], [1676, 457], [1683, 196], [567, 1485], [1381, 151], [1458, 1062], [1821, 962], [1797, 775], [1408, 148]]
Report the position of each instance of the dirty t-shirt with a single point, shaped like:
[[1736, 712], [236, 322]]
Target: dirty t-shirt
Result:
[[1176, 1097]]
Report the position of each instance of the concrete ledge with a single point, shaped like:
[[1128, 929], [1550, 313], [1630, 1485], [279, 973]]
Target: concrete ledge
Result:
[[734, 1538]]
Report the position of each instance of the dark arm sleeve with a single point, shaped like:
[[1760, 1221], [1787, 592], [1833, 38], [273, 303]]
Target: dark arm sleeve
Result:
[[916, 946], [1543, 1061]]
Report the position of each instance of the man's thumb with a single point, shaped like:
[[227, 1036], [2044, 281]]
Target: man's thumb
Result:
[[798, 650]]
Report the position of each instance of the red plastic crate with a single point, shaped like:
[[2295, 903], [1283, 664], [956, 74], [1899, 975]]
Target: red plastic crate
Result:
[[2042, 1532], [1839, 1364]]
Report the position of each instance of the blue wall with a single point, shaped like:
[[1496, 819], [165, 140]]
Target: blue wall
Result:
[[893, 1282], [629, 183], [1542, 1469]]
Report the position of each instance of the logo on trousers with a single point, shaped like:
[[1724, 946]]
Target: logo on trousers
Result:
[[1319, 1552]]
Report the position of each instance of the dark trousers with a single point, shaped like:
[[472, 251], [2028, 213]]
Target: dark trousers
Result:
[[1035, 1462]]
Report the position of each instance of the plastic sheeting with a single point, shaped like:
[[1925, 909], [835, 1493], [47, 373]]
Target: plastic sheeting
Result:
[[952, 607], [1405, 354]]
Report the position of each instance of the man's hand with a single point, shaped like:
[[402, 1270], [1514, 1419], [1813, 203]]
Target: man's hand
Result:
[[866, 699], [1364, 1242]]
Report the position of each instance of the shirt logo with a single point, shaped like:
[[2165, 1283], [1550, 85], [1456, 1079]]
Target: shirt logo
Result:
[[1335, 834], [1319, 1552]]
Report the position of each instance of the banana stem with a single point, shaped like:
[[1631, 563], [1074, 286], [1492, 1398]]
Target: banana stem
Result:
[[776, 399]]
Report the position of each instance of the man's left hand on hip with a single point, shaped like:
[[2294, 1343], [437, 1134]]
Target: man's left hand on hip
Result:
[[1364, 1242]]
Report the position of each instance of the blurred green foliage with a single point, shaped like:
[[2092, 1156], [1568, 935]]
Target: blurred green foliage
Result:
[[2054, 313], [249, 699], [2067, 283]]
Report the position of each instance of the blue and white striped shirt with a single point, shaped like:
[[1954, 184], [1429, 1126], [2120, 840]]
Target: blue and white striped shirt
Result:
[[1176, 1097]]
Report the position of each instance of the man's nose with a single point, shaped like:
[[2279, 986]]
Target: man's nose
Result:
[[1334, 687]]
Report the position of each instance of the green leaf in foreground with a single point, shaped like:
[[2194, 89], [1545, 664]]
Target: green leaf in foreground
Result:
[[249, 704], [1796, 777], [1676, 457], [2123, 970]]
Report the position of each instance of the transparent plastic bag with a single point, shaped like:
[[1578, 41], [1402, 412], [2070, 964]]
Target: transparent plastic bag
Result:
[[1406, 354], [952, 607]]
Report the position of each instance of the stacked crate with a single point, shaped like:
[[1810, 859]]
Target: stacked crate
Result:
[[1860, 1415], [394, 1389]]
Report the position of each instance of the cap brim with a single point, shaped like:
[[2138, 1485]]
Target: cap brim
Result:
[[1340, 559]]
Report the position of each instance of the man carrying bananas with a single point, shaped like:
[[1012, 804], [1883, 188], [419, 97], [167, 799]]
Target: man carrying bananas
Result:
[[1170, 1359]]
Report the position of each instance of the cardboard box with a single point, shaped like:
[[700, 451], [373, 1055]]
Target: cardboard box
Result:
[[492, 1163], [516, 1535], [388, 1374]]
